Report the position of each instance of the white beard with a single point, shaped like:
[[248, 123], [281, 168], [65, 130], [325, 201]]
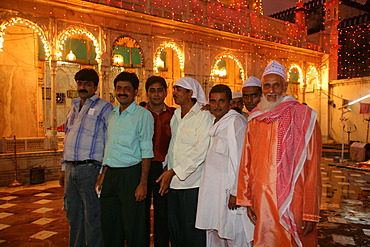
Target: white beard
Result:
[[266, 105]]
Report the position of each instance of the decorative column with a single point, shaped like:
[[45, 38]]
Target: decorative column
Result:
[[330, 39]]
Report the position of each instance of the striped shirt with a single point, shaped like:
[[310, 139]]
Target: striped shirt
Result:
[[85, 135]]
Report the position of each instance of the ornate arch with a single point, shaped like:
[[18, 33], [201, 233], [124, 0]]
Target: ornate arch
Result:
[[220, 57], [172, 45], [29, 24], [62, 37]]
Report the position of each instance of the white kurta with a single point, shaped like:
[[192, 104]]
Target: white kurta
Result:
[[219, 179]]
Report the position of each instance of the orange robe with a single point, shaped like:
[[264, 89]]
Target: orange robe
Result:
[[257, 186]]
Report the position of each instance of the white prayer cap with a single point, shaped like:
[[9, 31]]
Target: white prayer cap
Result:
[[275, 68], [252, 82], [237, 95], [192, 84]]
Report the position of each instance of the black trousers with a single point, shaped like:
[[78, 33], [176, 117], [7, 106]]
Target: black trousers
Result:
[[122, 217], [182, 210], [161, 238]]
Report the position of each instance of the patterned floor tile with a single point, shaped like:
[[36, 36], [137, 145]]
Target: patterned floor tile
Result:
[[43, 201], [7, 205], [5, 214], [343, 183], [42, 210], [43, 221], [7, 198], [43, 235], [337, 220], [337, 171], [3, 226], [43, 194], [357, 202], [361, 181], [343, 240]]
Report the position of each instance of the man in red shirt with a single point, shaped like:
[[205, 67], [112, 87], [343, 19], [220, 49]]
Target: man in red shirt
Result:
[[156, 89]]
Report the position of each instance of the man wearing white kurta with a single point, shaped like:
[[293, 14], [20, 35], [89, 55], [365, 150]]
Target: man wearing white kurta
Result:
[[186, 154], [226, 224]]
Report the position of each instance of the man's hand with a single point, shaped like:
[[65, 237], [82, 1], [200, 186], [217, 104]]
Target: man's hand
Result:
[[61, 179], [165, 180], [232, 202], [206, 107], [140, 192], [252, 216], [99, 184], [307, 227]]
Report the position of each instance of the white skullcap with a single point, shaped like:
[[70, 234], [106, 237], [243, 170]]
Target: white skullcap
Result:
[[192, 84], [275, 68], [237, 95], [252, 82]]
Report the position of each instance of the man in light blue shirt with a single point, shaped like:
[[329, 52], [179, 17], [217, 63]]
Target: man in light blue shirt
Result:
[[84, 144], [123, 182]]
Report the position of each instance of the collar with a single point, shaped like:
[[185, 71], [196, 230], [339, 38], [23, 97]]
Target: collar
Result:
[[95, 97], [165, 107], [130, 109]]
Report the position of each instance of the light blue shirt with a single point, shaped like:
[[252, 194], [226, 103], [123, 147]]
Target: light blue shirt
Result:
[[85, 134], [129, 136]]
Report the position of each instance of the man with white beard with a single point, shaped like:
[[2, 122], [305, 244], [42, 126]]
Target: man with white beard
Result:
[[279, 176], [226, 224]]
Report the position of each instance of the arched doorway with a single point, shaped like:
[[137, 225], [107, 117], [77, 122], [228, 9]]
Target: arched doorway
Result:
[[227, 69], [76, 49], [169, 64], [127, 55], [24, 51], [295, 81]]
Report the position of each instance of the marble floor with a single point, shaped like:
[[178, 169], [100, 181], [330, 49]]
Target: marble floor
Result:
[[32, 215]]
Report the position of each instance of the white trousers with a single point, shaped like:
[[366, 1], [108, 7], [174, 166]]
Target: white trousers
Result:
[[214, 240]]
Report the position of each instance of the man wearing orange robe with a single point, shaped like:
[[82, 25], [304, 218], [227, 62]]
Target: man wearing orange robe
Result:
[[279, 176]]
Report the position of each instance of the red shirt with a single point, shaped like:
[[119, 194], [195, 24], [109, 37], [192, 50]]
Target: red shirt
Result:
[[162, 132]]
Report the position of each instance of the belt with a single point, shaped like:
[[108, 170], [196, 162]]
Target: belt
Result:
[[81, 162]]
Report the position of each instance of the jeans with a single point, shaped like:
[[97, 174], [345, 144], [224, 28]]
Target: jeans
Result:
[[82, 205]]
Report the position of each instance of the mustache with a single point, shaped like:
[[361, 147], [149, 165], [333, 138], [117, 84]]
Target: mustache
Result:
[[122, 95], [217, 109], [82, 91], [271, 95]]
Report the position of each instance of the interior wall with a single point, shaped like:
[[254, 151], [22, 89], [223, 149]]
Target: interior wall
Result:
[[19, 84]]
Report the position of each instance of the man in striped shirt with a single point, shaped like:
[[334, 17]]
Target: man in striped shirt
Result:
[[84, 143]]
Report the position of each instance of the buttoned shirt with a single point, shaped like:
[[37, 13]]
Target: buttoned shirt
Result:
[[188, 146], [162, 132], [85, 134], [129, 136]]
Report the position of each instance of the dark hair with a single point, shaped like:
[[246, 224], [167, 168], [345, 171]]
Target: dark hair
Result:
[[221, 88], [142, 103], [126, 76], [87, 75], [153, 79]]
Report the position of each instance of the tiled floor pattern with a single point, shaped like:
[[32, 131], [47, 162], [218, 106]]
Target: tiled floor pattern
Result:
[[32, 215], [345, 212]]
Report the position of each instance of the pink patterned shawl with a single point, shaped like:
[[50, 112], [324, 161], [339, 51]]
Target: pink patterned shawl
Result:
[[295, 127]]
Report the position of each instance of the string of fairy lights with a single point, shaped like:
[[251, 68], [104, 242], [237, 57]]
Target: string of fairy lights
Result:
[[233, 18]]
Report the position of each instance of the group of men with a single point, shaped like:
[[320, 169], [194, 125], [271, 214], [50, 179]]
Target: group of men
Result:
[[217, 177]]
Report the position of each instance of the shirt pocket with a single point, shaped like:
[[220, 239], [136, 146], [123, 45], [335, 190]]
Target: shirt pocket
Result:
[[220, 147], [89, 123]]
